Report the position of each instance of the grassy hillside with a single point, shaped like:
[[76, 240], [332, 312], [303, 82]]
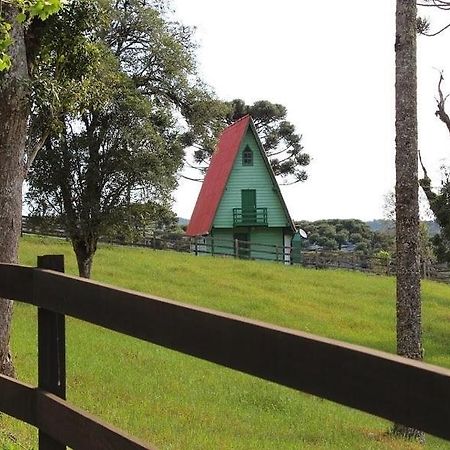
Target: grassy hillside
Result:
[[178, 402]]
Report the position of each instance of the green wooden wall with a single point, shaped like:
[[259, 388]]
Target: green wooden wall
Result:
[[270, 238], [250, 177], [222, 240], [263, 242]]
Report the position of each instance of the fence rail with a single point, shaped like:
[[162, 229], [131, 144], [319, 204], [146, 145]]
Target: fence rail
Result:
[[408, 392], [318, 259]]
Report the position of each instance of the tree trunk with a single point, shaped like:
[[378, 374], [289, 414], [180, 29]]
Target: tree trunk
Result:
[[406, 192], [84, 250], [13, 120]]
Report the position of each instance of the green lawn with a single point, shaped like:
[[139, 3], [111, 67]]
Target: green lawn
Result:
[[179, 402]]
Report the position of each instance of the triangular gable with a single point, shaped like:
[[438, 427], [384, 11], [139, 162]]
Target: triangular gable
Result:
[[272, 175], [216, 178], [218, 174]]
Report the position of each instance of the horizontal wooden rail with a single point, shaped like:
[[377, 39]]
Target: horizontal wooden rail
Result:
[[389, 386], [17, 400], [78, 429], [61, 420]]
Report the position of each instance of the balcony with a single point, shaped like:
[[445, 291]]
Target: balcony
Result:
[[252, 217]]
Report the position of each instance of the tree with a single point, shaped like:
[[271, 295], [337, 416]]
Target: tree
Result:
[[16, 60], [333, 234], [406, 192], [440, 201], [122, 145], [279, 138]]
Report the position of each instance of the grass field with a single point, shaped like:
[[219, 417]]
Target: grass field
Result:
[[179, 402]]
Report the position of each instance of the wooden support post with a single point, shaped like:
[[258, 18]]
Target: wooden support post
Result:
[[236, 248], [51, 350]]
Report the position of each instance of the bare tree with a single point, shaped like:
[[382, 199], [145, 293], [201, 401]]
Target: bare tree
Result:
[[406, 192]]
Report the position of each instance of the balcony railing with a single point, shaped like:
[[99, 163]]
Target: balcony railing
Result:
[[250, 217]]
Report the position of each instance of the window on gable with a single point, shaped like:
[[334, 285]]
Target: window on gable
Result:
[[247, 157]]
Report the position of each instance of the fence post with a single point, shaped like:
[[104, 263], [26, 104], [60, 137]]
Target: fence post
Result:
[[51, 350], [236, 248]]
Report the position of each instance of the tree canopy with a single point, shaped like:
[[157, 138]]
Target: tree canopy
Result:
[[17, 54], [117, 141], [279, 137], [350, 234], [27, 10]]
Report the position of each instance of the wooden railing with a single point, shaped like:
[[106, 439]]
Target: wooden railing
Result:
[[404, 391], [249, 217]]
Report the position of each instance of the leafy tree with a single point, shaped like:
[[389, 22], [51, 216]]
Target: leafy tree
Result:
[[17, 19], [333, 234], [137, 222], [279, 137], [439, 200], [342, 237], [406, 192], [122, 145]]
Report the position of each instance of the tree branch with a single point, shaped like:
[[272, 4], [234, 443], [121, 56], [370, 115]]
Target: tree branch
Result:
[[437, 32], [32, 153], [191, 179], [440, 4], [441, 113]]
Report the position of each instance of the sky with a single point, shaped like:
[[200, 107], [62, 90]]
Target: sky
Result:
[[331, 63]]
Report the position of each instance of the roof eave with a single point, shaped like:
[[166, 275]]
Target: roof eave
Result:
[[272, 175]]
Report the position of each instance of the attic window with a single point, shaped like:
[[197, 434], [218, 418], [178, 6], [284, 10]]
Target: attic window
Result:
[[247, 157]]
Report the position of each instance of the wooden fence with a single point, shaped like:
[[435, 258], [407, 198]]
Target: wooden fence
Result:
[[318, 259], [404, 391]]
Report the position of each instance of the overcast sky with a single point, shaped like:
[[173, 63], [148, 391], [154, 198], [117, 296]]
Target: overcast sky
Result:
[[331, 63]]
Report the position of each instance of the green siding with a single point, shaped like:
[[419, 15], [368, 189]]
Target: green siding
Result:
[[264, 242], [222, 240], [250, 177]]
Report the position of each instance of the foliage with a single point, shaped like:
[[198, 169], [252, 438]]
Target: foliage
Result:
[[60, 69], [349, 234], [138, 222], [427, 229], [279, 137], [27, 11], [117, 142], [211, 407], [383, 255], [439, 199]]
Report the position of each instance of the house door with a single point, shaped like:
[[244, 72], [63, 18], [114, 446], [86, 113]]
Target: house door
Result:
[[242, 245], [248, 201]]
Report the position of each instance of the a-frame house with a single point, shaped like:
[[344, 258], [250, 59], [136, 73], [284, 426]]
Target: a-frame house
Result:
[[240, 199]]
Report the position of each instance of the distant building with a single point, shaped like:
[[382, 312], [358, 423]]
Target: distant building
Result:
[[240, 200]]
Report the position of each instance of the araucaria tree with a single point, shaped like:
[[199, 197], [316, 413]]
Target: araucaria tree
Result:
[[17, 19], [280, 140], [122, 144], [406, 191]]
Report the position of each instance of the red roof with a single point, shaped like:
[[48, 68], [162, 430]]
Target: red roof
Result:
[[216, 178]]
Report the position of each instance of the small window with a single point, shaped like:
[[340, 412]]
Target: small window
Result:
[[247, 157]]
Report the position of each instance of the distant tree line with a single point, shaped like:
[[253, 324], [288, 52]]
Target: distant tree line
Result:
[[346, 234]]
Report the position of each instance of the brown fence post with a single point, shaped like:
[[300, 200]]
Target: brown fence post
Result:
[[51, 350]]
